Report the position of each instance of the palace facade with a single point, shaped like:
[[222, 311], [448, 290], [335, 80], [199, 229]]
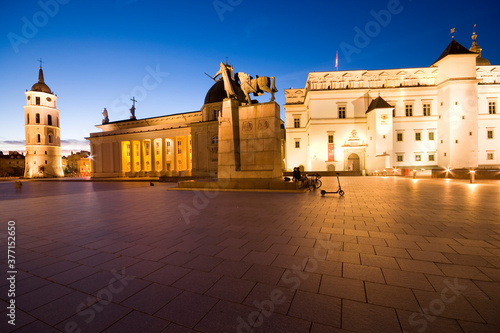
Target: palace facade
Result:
[[442, 116]]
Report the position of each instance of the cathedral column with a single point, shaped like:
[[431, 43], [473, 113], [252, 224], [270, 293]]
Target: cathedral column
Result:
[[189, 152], [164, 156], [153, 155], [143, 156], [133, 158], [176, 166]]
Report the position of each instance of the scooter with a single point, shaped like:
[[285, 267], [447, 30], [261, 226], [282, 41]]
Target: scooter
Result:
[[339, 190]]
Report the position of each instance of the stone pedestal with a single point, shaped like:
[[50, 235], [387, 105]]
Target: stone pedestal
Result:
[[249, 141]]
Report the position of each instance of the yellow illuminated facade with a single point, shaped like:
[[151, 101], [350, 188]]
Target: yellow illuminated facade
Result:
[[146, 147]]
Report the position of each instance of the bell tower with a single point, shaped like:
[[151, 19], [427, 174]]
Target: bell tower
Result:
[[43, 139]]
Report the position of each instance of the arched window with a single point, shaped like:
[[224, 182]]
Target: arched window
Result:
[[38, 138], [50, 138], [215, 140], [49, 120], [37, 118], [28, 118], [37, 100]]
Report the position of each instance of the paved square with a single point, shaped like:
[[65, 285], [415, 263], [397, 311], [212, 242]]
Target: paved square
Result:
[[392, 255]]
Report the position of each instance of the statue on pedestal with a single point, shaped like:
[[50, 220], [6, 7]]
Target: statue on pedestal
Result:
[[226, 73], [105, 115], [257, 86], [246, 86]]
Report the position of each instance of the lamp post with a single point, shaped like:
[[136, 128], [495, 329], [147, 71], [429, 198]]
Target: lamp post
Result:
[[414, 174], [472, 176]]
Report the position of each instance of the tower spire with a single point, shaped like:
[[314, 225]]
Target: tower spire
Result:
[[477, 49], [40, 72]]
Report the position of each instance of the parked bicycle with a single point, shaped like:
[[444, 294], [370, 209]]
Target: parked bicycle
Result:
[[312, 182]]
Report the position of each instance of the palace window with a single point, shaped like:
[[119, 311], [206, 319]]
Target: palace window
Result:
[[431, 136], [341, 112], [418, 157], [37, 118], [489, 156], [37, 100], [297, 143], [492, 106], [49, 120], [409, 110], [418, 136], [146, 146], [215, 140], [330, 138], [431, 158], [400, 158], [490, 134], [427, 109], [296, 122], [399, 136]]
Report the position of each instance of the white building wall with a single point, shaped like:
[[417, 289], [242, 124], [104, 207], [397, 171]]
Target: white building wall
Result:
[[458, 111]]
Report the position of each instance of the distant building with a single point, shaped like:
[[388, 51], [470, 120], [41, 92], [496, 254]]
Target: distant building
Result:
[[43, 138], [11, 165], [79, 163], [442, 116]]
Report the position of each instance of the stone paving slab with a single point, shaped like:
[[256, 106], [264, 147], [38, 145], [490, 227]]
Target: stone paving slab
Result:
[[392, 255]]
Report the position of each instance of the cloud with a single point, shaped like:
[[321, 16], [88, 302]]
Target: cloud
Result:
[[67, 146]]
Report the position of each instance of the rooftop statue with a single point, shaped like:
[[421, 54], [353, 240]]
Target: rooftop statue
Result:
[[105, 115], [132, 112]]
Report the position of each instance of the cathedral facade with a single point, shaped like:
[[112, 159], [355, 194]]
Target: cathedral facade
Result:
[[184, 144], [442, 116]]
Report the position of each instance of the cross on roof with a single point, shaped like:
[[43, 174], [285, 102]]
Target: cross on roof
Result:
[[41, 62], [133, 101]]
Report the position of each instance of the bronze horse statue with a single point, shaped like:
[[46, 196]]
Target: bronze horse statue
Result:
[[257, 86]]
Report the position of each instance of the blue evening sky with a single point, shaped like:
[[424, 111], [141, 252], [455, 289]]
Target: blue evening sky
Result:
[[99, 54]]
